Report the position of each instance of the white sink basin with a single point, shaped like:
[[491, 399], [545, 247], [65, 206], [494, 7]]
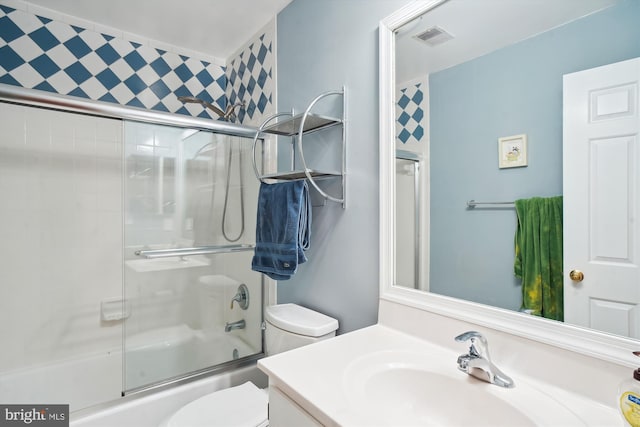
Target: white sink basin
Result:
[[398, 388]]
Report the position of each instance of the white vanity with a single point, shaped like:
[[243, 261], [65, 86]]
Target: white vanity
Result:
[[403, 372]]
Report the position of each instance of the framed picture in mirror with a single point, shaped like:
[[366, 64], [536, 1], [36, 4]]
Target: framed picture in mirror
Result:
[[512, 151]]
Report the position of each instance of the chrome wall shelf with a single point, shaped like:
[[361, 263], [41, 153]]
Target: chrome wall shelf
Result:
[[291, 127], [296, 127]]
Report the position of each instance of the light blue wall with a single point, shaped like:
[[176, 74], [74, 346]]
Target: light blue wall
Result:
[[512, 91], [323, 45]]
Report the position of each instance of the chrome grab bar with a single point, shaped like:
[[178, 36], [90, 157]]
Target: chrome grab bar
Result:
[[201, 250]]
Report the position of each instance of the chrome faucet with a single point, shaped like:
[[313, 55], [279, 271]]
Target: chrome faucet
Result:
[[477, 362], [241, 297], [240, 324]]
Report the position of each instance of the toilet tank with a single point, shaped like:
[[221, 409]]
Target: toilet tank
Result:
[[290, 326]]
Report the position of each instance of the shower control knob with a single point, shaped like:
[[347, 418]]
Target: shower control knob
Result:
[[576, 275], [241, 297]]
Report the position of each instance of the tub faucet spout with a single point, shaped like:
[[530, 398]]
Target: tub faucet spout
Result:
[[477, 362], [240, 324]]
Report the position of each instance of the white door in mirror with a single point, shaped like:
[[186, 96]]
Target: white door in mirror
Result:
[[601, 160]]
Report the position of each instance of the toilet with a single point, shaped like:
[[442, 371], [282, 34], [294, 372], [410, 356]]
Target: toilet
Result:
[[288, 326]]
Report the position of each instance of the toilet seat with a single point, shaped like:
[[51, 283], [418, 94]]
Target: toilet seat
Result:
[[240, 406]]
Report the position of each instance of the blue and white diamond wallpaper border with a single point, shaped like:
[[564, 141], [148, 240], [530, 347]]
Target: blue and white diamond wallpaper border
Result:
[[37, 52], [251, 77], [412, 106]]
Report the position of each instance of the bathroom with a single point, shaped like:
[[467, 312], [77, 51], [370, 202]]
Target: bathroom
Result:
[[92, 295]]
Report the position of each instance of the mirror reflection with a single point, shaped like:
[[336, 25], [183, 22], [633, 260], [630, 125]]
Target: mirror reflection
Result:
[[537, 104]]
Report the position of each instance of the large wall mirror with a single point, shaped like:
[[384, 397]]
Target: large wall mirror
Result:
[[479, 103]]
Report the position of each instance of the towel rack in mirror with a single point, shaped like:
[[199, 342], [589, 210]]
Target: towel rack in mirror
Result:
[[296, 126], [472, 204]]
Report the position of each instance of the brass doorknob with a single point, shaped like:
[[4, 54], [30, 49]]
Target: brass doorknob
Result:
[[576, 275]]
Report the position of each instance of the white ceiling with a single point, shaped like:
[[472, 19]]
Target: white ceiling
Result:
[[480, 27], [215, 27]]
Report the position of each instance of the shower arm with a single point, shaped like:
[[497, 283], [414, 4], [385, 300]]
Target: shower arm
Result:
[[230, 111], [194, 100]]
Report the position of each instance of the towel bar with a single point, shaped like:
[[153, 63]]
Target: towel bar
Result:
[[472, 204], [201, 250]]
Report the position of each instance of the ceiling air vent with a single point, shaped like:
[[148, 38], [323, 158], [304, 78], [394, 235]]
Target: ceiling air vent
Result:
[[433, 36]]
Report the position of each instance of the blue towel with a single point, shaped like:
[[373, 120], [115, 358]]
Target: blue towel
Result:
[[283, 229]]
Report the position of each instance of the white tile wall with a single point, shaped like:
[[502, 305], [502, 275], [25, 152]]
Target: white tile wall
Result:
[[60, 234]]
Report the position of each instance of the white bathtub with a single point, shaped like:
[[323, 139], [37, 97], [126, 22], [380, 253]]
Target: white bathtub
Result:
[[154, 407], [79, 382], [163, 353], [88, 382]]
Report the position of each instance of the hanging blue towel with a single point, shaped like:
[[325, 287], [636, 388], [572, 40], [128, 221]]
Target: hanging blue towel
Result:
[[283, 229]]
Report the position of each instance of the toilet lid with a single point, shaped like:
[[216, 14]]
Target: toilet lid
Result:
[[239, 406], [300, 320]]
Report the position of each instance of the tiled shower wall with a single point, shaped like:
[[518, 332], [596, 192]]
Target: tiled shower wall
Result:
[[412, 114], [90, 62], [60, 235], [251, 77], [40, 53], [412, 134], [61, 174]]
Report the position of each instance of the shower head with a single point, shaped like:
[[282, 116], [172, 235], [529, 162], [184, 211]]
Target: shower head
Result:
[[225, 115], [189, 99], [194, 100]]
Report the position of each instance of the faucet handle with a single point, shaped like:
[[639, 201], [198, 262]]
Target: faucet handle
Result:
[[242, 297], [473, 336]]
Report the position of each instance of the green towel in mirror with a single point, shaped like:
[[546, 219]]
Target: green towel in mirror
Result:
[[538, 259]]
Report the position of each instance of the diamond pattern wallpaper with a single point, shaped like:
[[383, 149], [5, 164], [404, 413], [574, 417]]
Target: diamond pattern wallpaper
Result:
[[411, 107], [40, 53], [250, 78]]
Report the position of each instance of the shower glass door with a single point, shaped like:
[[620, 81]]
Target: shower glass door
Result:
[[407, 222], [60, 244], [190, 297]]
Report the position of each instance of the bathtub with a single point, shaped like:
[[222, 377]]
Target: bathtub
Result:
[[151, 408], [92, 385], [163, 353]]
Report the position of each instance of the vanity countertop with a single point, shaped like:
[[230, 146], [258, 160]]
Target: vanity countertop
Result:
[[325, 379]]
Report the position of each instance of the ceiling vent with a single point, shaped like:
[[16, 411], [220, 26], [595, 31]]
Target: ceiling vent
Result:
[[433, 36]]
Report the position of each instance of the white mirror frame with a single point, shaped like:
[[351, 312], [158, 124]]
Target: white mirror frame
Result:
[[589, 342]]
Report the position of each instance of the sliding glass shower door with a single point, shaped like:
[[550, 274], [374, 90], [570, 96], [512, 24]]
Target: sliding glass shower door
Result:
[[191, 299], [408, 217], [61, 251], [92, 303]]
